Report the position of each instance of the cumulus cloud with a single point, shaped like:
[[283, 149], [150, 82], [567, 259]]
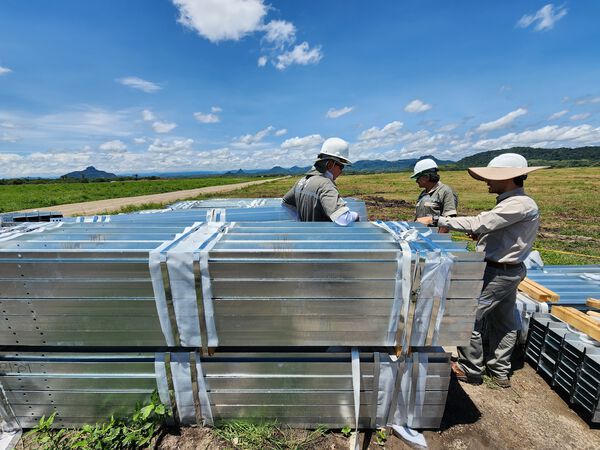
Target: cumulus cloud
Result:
[[335, 113], [249, 139], [279, 33], [262, 61], [501, 122], [171, 146], [221, 20], [301, 54], [558, 115], [550, 136], [206, 118], [140, 84], [545, 17], [303, 143], [140, 141], [281, 132], [417, 106], [4, 70], [148, 115], [4, 137], [581, 116], [216, 109], [163, 127], [115, 146], [588, 99], [391, 128]]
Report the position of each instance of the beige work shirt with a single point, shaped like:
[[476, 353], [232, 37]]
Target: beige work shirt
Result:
[[315, 198], [507, 232], [441, 200]]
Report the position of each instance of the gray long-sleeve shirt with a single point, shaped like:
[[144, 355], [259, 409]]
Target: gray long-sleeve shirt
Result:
[[316, 198], [441, 200], [507, 232]]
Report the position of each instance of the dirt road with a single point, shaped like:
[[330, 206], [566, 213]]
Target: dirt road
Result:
[[113, 204]]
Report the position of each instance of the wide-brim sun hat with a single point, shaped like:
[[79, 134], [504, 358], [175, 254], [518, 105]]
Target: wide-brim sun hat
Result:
[[503, 167]]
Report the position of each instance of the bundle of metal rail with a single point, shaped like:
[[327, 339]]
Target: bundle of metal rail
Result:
[[309, 323]]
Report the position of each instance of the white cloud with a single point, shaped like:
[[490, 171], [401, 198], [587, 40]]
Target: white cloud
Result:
[[8, 138], [262, 61], [581, 116], [550, 136], [7, 125], [163, 127], [206, 118], [417, 106], [220, 20], [171, 146], [138, 83], [280, 33], [281, 132], [216, 109], [249, 139], [303, 143], [335, 113], [546, 17], [588, 99], [115, 146], [140, 141], [391, 128], [558, 115], [4, 70], [501, 122], [148, 115], [301, 54], [447, 128]]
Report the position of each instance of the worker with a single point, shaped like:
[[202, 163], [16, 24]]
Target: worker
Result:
[[315, 197], [436, 199], [505, 235]]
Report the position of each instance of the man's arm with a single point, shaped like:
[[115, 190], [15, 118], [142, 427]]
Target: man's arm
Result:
[[449, 207], [290, 197], [335, 207], [502, 215]]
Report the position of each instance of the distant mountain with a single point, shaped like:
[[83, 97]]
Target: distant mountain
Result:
[[90, 173], [555, 157]]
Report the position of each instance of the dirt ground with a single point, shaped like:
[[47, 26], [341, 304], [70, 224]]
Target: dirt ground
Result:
[[529, 415]]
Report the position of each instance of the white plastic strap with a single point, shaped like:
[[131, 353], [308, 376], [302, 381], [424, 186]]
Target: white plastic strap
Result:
[[162, 385], [207, 302], [155, 258], [207, 417], [216, 215], [182, 385], [180, 264]]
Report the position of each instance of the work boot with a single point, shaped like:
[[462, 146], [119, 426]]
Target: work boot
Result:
[[503, 382], [465, 377]]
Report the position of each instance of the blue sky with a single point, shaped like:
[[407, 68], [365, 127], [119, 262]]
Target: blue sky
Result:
[[141, 86]]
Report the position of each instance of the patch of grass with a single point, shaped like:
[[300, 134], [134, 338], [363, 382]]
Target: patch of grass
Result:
[[27, 196], [489, 383], [247, 435]]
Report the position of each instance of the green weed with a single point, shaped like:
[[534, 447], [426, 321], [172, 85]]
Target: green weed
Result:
[[380, 437], [346, 431], [130, 433], [246, 435]]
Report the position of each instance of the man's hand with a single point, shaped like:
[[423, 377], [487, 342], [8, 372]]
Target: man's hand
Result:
[[425, 220]]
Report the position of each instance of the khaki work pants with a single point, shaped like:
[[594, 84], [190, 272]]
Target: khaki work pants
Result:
[[495, 320]]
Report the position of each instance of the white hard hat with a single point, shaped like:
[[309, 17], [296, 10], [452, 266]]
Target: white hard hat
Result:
[[422, 166], [503, 167], [337, 149]]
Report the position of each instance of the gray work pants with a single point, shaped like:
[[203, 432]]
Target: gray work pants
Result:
[[495, 318]]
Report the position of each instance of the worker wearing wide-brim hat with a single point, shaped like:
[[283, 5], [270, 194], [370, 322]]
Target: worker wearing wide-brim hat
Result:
[[437, 199], [315, 197], [506, 235]]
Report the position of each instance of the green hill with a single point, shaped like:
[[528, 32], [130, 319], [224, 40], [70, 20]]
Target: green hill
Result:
[[555, 157]]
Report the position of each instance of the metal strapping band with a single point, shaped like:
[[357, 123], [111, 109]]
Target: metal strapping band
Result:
[[182, 384], [205, 409]]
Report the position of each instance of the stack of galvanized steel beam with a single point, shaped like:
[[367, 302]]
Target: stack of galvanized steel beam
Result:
[[568, 360], [301, 317]]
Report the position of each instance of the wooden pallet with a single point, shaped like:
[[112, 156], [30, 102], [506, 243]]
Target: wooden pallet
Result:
[[593, 303], [578, 319], [538, 292]]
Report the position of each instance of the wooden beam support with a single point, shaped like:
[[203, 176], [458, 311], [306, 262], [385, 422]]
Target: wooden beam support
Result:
[[578, 320], [538, 292], [593, 303]]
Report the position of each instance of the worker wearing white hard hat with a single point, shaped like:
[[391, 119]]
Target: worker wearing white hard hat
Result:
[[506, 235], [315, 197], [436, 199]]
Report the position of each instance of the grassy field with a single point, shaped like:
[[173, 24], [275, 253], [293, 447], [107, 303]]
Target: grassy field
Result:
[[26, 196], [569, 201]]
